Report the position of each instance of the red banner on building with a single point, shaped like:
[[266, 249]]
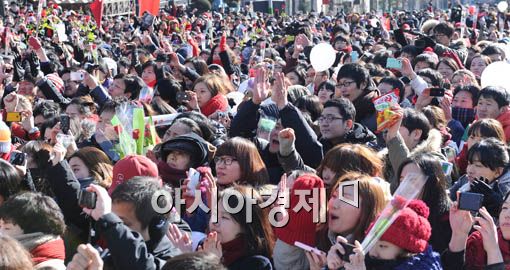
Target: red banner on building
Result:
[[150, 6]]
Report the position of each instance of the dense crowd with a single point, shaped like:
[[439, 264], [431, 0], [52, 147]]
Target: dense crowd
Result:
[[188, 140]]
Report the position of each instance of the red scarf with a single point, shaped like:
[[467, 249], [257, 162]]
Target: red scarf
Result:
[[48, 251], [170, 175], [216, 103], [234, 250], [152, 84]]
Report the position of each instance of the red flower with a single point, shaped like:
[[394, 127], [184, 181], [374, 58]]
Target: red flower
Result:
[[118, 129], [398, 202], [136, 134]]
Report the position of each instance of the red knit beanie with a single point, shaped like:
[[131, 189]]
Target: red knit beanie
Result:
[[301, 226], [411, 230]]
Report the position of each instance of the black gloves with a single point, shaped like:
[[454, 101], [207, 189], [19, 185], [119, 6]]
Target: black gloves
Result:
[[492, 197]]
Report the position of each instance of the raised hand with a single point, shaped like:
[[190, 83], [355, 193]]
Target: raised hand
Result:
[[286, 137], [279, 93], [179, 239], [86, 258], [261, 86], [103, 202], [213, 245], [489, 232]]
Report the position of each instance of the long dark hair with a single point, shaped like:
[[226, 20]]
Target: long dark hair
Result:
[[434, 192], [258, 232]]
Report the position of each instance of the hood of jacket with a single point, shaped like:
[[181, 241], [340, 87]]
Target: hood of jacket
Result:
[[431, 145]]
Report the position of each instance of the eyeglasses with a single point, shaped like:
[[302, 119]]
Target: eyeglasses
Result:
[[328, 118], [344, 84], [224, 160]]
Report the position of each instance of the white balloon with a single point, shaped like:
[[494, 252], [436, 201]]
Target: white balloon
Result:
[[502, 6], [322, 56], [496, 74]]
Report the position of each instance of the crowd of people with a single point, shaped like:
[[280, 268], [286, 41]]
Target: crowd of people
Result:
[[258, 128]]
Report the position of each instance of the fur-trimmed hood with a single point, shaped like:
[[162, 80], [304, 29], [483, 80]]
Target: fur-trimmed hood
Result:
[[431, 145]]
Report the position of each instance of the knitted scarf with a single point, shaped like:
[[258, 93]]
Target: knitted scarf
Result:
[[43, 247], [170, 175], [234, 250], [218, 102]]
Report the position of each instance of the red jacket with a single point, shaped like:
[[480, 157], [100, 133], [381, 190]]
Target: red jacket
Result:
[[504, 119]]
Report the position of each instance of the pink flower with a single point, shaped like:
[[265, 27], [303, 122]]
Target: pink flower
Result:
[[398, 202]]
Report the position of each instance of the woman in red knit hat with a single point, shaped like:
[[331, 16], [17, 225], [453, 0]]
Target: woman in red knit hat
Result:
[[403, 246]]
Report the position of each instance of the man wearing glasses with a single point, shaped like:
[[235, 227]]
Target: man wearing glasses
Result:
[[337, 125], [443, 34]]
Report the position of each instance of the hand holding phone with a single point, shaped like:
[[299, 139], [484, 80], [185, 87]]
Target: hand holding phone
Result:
[[77, 76], [65, 123], [394, 63], [194, 180], [307, 248], [349, 250], [87, 199], [437, 92], [470, 201]]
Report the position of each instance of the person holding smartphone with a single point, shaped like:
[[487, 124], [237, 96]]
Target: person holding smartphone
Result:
[[486, 247], [404, 245]]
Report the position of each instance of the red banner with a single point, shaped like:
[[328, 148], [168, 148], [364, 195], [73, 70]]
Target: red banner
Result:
[[97, 10], [150, 6]]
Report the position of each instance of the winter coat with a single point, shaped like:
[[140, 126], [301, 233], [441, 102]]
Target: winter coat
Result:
[[428, 260], [45, 250], [289, 257], [397, 151], [245, 124], [359, 134], [463, 184], [475, 256], [458, 47], [127, 248], [365, 110], [504, 119]]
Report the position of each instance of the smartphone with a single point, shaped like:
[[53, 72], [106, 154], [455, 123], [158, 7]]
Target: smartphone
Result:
[[307, 248], [13, 117], [194, 180], [348, 248], [77, 76], [64, 123], [17, 158], [354, 56], [182, 97], [290, 39], [394, 63], [87, 199], [447, 167], [470, 201], [437, 92]]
